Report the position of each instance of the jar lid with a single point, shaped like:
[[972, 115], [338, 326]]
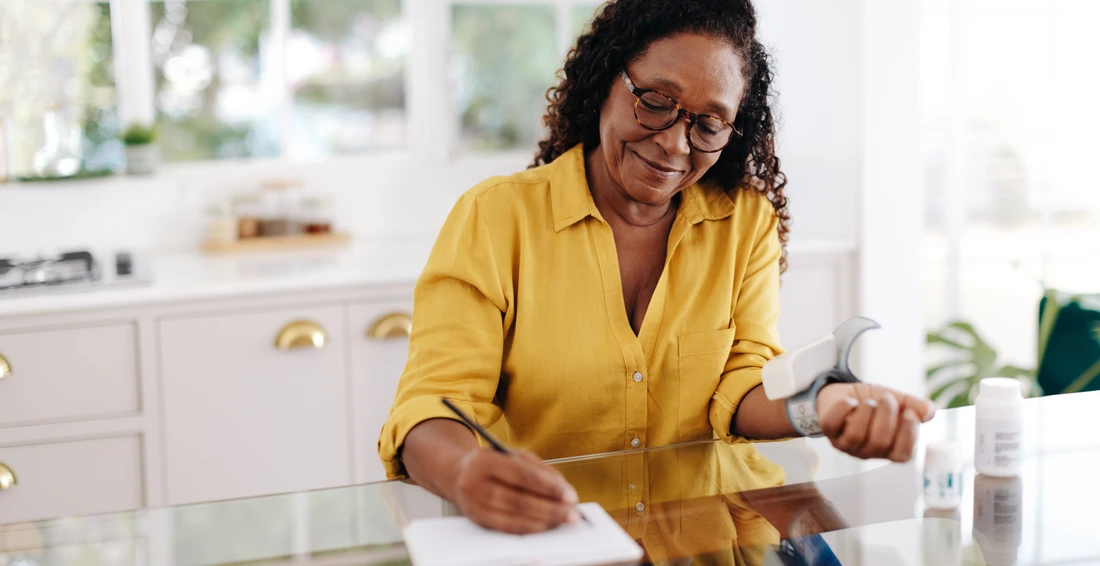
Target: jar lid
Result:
[[943, 453], [281, 184], [1000, 388], [220, 208], [247, 198], [316, 200]]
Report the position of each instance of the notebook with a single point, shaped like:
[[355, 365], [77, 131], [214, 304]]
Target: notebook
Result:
[[457, 541]]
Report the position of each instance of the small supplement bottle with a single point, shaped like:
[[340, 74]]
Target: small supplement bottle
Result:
[[998, 431]]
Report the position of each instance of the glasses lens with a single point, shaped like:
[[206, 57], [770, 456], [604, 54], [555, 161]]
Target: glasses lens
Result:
[[710, 134], [655, 111]]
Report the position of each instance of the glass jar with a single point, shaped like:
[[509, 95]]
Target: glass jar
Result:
[[249, 208], [315, 214], [221, 224], [280, 199]]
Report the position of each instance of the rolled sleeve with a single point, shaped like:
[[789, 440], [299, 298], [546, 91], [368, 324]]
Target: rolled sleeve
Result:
[[756, 319], [457, 339], [403, 418]]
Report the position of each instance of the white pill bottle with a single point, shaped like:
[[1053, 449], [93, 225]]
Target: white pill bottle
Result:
[[999, 428]]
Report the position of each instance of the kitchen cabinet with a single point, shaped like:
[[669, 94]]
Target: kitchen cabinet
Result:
[[60, 479], [83, 372], [255, 403], [378, 337]]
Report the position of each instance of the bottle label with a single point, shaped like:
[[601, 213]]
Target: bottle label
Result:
[[942, 487], [997, 444]]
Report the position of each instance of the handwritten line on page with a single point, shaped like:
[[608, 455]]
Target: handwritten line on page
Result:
[[456, 541]]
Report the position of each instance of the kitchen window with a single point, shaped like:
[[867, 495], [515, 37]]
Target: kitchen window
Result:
[[345, 63], [504, 60], [217, 91], [303, 80], [58, 105]]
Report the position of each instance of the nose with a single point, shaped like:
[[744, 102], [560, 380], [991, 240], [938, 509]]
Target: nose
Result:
[[674, 140]]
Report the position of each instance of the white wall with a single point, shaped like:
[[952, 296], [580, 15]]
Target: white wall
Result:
[[891, 200], [817, 47]]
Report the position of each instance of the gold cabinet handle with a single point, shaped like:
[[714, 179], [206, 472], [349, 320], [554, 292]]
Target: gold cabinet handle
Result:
[[392, 325], [5, 367], [301, 334], [7, 477]]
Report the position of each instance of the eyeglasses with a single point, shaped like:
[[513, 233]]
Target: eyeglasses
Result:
[[656, 111]]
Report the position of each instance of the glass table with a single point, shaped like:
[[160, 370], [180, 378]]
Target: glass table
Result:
[[792, 502]]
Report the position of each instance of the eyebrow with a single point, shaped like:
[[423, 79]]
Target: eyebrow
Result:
[[712, 107]]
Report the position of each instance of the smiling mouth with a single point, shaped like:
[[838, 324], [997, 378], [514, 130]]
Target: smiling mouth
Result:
[[657, 169]]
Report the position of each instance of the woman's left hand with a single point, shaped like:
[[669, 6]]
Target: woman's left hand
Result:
[[872, 421]]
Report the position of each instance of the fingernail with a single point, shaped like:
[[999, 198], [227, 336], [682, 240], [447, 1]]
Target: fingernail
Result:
[[871, 403], [571, 495], [573, 516], [853, 403]]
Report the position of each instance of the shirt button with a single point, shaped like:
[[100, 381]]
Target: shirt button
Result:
[[633, 487], [637, 377], [635, 443], [640, 507]]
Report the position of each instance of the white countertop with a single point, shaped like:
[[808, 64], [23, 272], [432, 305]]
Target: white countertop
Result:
[[184, 276]]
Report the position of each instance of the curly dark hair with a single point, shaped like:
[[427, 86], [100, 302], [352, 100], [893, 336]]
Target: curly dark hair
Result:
[[622, 31]]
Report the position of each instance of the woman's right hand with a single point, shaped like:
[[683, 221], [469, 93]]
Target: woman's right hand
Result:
[[520, 494]]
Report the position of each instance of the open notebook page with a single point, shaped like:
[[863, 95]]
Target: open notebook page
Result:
[[456, 541]]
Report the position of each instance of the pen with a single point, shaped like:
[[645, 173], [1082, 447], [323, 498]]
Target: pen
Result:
[[492, 440]]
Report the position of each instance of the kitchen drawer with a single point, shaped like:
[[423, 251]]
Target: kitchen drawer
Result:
[[244, 417], [69, 373], [72, 478]]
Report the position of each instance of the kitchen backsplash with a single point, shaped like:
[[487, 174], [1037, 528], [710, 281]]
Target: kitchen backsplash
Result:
[[377, 195]]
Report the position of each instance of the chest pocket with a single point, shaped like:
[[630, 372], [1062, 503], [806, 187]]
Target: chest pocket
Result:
[[702, 358]]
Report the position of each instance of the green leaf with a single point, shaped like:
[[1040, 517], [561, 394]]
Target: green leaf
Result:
[[960, 400], [946, 388], [984, 358], [932, 371], [1009, 370], [965, 327], [138, 134], [933, 338]]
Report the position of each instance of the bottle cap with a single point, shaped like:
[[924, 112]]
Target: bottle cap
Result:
[[1000, 388], [944, 454]]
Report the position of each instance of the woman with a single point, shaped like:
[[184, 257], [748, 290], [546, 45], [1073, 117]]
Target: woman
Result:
[[623, 292]]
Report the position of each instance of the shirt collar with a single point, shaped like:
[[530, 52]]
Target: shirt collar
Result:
[[572, 201]]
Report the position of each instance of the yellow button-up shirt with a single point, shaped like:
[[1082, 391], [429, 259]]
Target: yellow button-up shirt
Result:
[[519, 318]]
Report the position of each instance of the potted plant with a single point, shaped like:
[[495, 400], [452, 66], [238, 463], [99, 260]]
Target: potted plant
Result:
[[141, 152]]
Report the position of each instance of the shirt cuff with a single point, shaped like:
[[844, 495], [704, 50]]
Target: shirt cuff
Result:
[[406, 416], [723, 405]]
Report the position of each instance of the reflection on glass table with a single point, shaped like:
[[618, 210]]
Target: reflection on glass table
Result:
[[793, 502]]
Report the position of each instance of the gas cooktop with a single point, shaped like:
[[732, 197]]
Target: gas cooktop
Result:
[[70, 270]]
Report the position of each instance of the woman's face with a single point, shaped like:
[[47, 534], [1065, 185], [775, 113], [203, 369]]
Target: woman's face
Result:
[[703, 75]]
